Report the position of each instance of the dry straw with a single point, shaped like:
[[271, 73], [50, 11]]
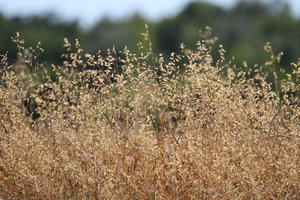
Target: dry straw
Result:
[[119, 125]]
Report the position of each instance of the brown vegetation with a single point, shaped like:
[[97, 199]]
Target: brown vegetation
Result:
[[186, 128]]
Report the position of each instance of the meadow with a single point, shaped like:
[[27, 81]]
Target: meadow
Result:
[[136, 125]]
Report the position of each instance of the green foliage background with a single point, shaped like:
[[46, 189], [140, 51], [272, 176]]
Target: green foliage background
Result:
[[242, 30]]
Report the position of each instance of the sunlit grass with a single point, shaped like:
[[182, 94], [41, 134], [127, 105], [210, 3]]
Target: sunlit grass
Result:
[[134, 126]]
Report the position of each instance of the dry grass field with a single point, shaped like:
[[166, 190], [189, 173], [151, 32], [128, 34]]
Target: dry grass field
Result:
[[123, 125]]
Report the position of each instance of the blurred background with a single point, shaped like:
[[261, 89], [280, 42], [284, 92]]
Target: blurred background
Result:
[[242, 26]]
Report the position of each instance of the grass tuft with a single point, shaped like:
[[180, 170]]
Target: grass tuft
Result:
[[123, 125]]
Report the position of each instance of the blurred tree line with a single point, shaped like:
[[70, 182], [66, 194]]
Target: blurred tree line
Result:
[[243, 30]]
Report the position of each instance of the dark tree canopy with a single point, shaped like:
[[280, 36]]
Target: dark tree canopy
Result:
[[242, 29]]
